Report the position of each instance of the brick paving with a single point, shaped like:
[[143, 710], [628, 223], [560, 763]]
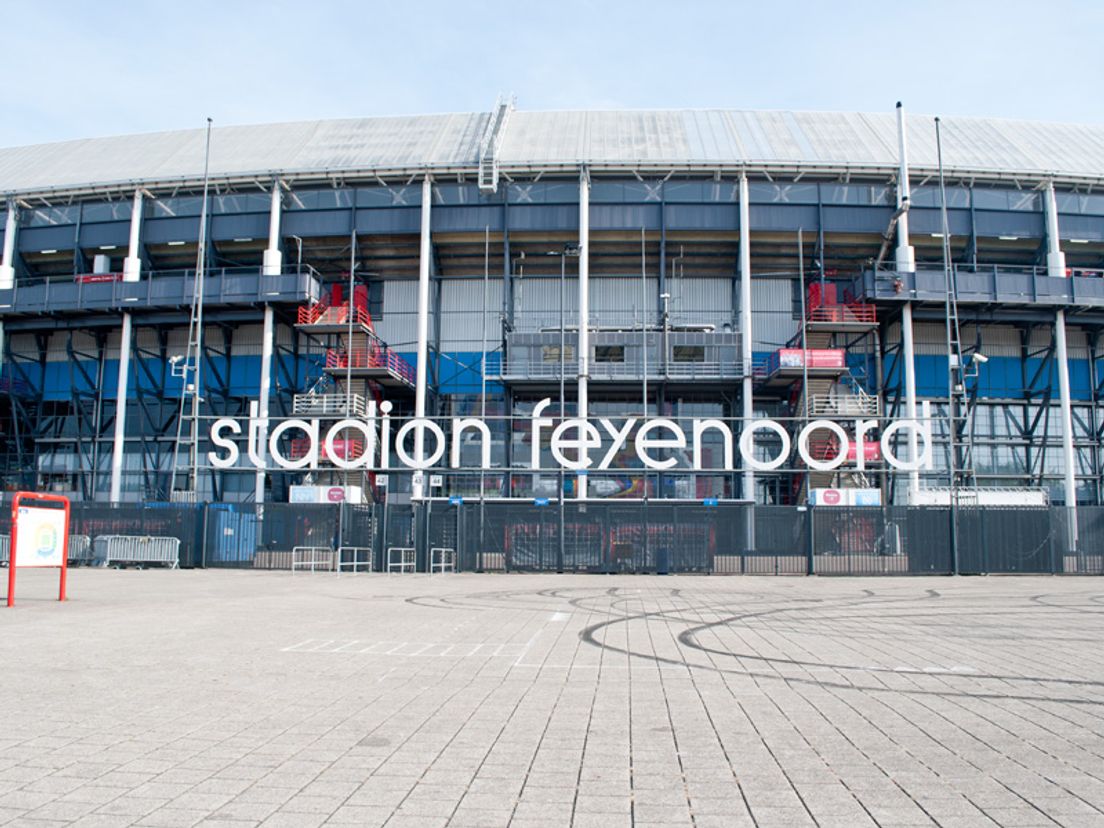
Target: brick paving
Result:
[[158, 698]]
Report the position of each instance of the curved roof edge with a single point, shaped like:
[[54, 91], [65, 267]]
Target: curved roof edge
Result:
[[984, 148]]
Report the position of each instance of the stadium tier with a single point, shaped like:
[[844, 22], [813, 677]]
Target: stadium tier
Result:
[[698, 268]]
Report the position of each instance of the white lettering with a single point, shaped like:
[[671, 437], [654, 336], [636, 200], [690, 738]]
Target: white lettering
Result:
[[619, 438], [311, 457], [841, 452], [588, 438], [539, 422], [644, 444], [572, 442], [458, 427], [922, 431], [699, 428], [861, 427], [341, 459], [422, 425], [231, 447], [747, 445]]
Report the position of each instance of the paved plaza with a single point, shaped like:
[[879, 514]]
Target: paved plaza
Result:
[[237, 698]]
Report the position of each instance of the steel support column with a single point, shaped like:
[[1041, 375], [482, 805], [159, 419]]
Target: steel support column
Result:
[[132, 264], [584, 317], [273, 258], [7, 263], [1056, 268], [268, 337], [423, 331], [121, 388], [745, 327], [906, 263]]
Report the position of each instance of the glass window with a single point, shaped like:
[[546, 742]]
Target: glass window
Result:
[[107, 211], [241, 203], [320, 199], [688, 353], [760, 192], [174, 207], [48, 216], [928, 196], [609, 353], [551, 353], [986, 198]]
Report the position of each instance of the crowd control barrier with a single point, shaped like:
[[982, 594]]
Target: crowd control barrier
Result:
[[131, 549]]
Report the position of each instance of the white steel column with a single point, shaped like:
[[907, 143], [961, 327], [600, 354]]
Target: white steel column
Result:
[[906, 263], [7, 264], [120, 412], [745, 325], [273, 258], [423, 331], [132, 264], [132, 272], [584, 316], [1056, 268], [268, 336]]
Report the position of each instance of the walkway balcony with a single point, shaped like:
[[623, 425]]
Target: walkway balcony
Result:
[[624, 357], [378, 363], [985, 284], [159, 290], [786, 365]]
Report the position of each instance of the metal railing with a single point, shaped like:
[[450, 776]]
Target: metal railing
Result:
[[382, 358], [323, 314], [662, 535], [524, 369], [858, 404], [234, 285], [844, 314], [328, 405], [130, 549], [795, 359]]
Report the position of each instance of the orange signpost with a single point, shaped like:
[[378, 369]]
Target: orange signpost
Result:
[[39, 537]]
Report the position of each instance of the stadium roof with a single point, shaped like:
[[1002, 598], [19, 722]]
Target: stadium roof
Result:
[[531, 141]]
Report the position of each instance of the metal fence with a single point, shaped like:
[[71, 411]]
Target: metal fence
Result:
[[605, 537]]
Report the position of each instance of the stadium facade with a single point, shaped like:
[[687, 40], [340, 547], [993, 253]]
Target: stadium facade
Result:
[[721, 265]]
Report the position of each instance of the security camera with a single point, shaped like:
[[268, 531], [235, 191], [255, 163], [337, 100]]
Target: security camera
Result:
[[175, 359], [982, 358]]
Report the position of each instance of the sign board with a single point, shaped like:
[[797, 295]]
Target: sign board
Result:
[[710, 501], [1024, 497], [436, 481], [456, 500], [812, 358], [845, 497], [325, 494], [540, 501], [39, 537]]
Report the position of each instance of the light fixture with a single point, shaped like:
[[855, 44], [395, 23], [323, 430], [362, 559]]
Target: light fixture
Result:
[[1009, 238], [937, 235], [242, 241], [47, 252], [176, 243], [1078, 241]]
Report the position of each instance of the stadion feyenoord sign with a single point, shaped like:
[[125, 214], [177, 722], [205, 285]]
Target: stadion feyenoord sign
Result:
[[576, 444]]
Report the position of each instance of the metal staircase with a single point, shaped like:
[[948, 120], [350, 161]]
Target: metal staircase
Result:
[[821, 386], [491, 144]]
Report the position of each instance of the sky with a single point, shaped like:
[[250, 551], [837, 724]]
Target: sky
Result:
[[86, 69]]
